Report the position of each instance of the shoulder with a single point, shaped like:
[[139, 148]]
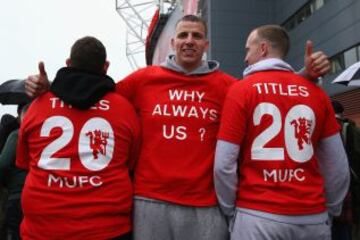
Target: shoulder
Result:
[[351, 125], [14, 134], [144, 70], [140, 75], [225, 76], [43, 97], [116, 98], [44, 102], [244, 83], [119, 102], [240, 89]]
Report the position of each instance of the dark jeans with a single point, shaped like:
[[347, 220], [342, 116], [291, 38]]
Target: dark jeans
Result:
[[13, 218], [340, 231]]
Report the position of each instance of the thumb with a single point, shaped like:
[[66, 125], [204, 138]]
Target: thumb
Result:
[[42, 69], [308, 48]]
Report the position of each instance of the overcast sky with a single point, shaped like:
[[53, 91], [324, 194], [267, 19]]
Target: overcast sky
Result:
[[36, 30]]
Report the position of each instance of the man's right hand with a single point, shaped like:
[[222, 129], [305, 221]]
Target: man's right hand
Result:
[[36, 85]]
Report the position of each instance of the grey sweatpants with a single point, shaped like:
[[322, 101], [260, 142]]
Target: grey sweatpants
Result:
[[154, 220], [250, 227]]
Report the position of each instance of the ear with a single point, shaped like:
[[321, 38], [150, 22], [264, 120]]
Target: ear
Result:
[[68, 62], [207, 44], [264, 48], [172, 43], [106, 66]]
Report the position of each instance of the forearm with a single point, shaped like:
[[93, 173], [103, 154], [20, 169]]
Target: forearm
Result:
[[225, 175]]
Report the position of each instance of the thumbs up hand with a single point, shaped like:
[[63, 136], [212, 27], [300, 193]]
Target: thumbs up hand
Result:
[[37, 84], [317, 63]]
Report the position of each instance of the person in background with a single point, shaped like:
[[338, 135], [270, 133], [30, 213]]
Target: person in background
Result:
[[8, 123], [280, 168], [346, 226], [12, 178], [78, 142], [180, 104]]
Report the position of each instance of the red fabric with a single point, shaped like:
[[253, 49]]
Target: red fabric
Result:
[[153, 23], [290, 182], [176, 166], [90, 198], [190, 7]]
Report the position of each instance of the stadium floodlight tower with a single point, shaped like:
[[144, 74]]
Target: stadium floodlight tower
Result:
[[137, 15]]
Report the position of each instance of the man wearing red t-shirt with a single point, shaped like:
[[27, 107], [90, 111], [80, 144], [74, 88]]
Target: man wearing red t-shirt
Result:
[[280, 166], [179, 104], [77, 141]]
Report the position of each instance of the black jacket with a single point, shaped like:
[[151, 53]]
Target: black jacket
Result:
[[79, 88]]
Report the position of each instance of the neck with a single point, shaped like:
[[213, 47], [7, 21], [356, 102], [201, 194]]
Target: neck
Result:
[[190, 67], [273, 55]]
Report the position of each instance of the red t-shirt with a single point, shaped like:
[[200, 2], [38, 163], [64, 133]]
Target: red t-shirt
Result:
[[180, 119], [78, 185], [278, 118]]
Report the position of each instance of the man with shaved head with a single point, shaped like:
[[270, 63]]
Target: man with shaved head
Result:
[[280, 165]]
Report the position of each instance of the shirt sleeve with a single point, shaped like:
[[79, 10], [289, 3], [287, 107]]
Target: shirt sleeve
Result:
[[234, 115], [334, 167], [331, 126], [22, 150], [127, 86], [225, 175], [135, 146]]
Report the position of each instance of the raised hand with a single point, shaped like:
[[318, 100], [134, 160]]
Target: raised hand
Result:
[[317, 63], [37, 84]]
